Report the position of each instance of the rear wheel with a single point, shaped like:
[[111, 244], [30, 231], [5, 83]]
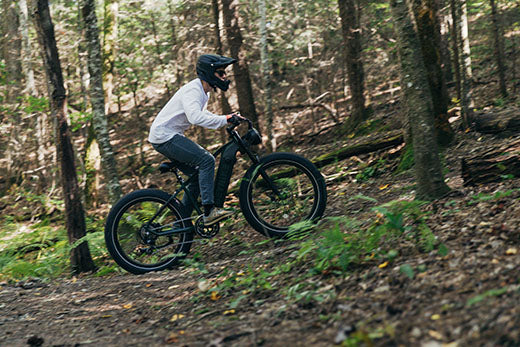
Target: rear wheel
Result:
[[130, 232], [283, 190]]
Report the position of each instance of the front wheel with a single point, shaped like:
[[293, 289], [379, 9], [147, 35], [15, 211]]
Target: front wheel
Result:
[[283, 190], [132, 228]]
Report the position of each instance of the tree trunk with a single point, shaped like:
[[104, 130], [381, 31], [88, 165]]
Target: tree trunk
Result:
[[466, 73], [30, 86], [111, 10], [266, 75], [81, 260], [12, 49], [92, 160], [97, 99], [349, 14], [157, 46], [454, 31], [216, 20], [444, 29], [499, 48], [418, 105], [174, 51], [428, 28], [43, 135], [513, 65], [243, 85], [225, 108], [492, 165], [173, 29]]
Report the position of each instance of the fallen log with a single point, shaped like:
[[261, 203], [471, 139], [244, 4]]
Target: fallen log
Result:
[[363, 145], [492, 165], [367, 144], [504, 121]]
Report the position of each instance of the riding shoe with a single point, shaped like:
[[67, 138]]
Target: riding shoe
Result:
[[216, 214]]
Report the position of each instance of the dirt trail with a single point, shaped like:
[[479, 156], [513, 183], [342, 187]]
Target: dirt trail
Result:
[[468, 296]]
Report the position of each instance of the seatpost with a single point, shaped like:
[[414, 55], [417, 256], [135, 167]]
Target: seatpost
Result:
[[178, 175]]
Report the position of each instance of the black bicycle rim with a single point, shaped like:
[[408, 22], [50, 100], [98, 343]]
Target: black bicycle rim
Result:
[[166, 244], [303, 171]]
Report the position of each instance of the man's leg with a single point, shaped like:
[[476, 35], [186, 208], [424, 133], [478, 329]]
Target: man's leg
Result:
[[187, 152]]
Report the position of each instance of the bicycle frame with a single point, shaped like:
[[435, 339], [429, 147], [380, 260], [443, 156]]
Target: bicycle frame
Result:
[[243, 147]]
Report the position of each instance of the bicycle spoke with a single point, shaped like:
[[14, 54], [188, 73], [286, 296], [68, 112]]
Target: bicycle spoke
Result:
[[139, 236], [293, 202]]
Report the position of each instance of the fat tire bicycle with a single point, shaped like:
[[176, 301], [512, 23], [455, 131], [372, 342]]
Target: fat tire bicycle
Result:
[[152, 230]]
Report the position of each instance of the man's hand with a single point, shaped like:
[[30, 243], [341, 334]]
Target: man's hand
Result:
[[235, 118]]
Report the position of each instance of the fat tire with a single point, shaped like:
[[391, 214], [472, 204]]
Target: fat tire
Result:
[[119, 256], [246, 204]]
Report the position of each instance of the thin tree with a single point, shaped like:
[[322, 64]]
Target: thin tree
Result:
[[97, 99], [444, 19], [80, 258], [428, 29], [157, 47], [243, 85], [418, 105], [349, 13], [12, 48], [111, 10], [82, 53], [499, 48], [30, 86], [454, 33], [514, 47], [466, 73], [266, 76], [175, 43], [224, 103]]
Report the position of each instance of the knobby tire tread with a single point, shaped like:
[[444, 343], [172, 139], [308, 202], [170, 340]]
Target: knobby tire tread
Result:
[[118, 210], [283, 158]]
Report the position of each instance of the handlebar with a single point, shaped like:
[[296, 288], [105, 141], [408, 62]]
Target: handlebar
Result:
[[237, 122]]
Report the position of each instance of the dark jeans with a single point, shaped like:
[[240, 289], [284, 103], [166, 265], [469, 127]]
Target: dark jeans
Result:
[[189, 157]]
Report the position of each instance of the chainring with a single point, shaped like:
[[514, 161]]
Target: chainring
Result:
[[206, 232]]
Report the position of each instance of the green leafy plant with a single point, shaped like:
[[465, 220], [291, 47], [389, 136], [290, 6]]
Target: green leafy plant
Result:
[[371, 171], [42, 250], [407, 270], [79, 119], [195, 262], [33, 104], [335, 249], [490, 293], [309, 292], [489, 197]]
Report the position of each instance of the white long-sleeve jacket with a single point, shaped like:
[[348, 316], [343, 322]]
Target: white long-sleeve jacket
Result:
[[186, 107]]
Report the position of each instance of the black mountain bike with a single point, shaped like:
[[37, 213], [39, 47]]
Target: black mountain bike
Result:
[[151, 230]]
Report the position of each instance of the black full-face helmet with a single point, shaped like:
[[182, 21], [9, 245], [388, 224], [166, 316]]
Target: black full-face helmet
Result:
[[208, 64]]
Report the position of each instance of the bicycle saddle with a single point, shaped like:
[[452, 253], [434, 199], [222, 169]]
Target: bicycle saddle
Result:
[[167, 166]]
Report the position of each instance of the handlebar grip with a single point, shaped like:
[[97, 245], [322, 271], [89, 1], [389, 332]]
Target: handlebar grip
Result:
[[235, 121]]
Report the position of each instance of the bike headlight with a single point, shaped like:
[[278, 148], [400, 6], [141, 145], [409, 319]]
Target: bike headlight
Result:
[[252, 137]]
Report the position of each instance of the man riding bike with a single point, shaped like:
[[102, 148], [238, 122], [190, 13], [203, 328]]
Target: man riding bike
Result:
[[188, 107]]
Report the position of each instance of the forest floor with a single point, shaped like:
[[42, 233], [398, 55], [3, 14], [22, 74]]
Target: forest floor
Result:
[[234, 290]]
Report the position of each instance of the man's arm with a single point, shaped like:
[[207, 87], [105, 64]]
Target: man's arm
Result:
[[193, 108]]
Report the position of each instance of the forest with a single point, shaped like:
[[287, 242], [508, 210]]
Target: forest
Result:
[[410, 110]]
